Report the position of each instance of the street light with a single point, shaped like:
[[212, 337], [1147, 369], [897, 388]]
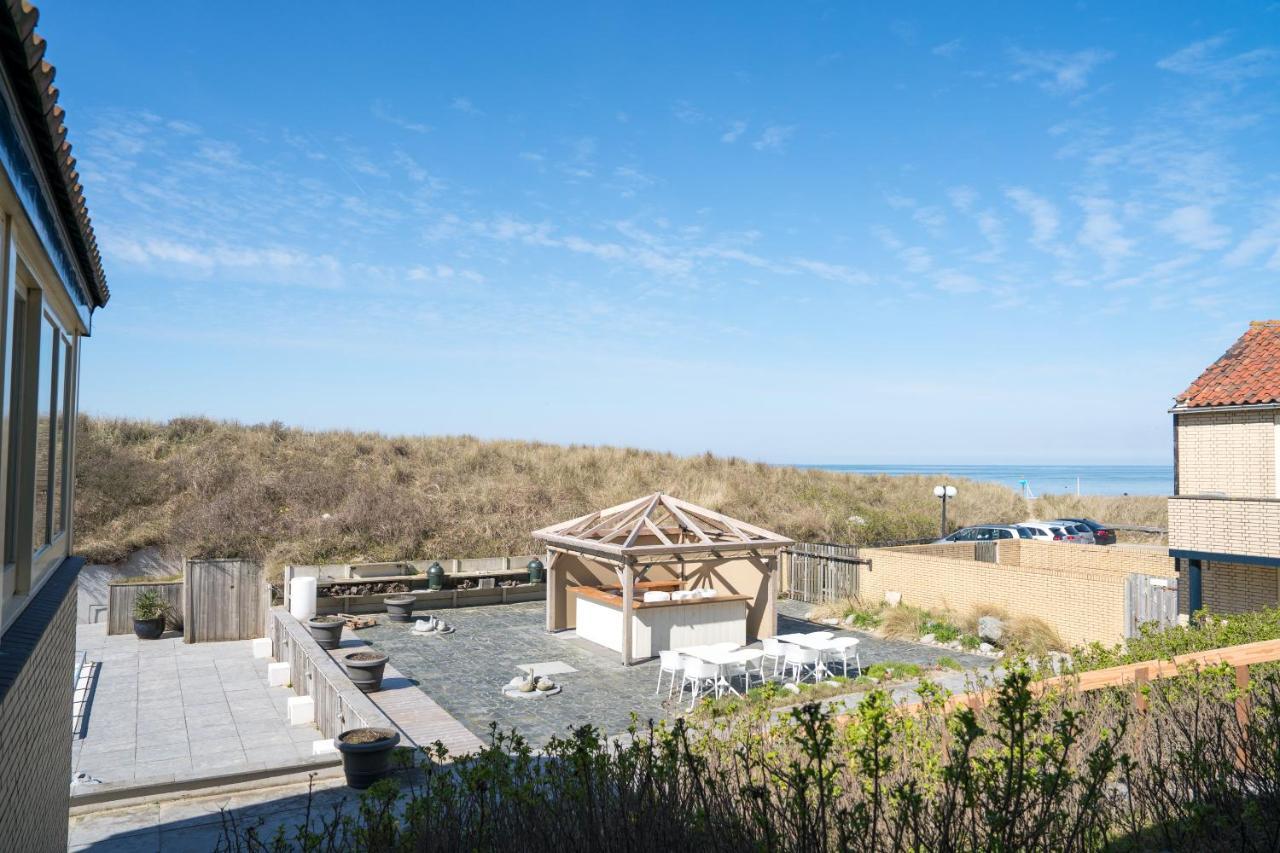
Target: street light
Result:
[[946, 493]]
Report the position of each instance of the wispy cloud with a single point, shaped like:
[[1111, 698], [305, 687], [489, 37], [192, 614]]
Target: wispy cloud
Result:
[[464, 105], [383, 112], [686, 112], [1056, 71], [1205, 59], [1102, 232], [774, 138], [735, 131], [948, 49], [1041, 213], [1193, 225]]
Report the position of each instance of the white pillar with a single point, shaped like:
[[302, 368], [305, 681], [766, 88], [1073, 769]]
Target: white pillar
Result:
[[628, 598]]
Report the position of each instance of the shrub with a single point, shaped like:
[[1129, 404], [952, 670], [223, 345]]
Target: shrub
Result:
[[148, 605], [949, 663], [893, 669], [903, 622], [1208, 631], [1061, 771]]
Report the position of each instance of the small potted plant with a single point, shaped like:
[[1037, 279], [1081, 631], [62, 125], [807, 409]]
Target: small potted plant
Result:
[[326, 630], [364, 667], [400, 607], [148, 615], [366, 754]]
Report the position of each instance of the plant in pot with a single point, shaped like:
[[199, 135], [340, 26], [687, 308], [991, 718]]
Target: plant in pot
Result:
[[326, 630], [148, 615], [400, 607], [366, 754], [364, 667]]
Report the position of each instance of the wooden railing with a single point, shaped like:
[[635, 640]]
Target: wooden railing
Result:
[[1240, 658]]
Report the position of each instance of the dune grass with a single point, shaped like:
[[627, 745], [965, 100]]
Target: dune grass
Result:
[[220, 489]]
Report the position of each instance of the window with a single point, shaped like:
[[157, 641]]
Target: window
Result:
[[48, 478], [1005, 534], [1024, 533], [65, 426], [16, 373]]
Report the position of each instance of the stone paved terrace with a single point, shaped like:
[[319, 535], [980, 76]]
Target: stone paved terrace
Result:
[[465, 671], [162, 711]]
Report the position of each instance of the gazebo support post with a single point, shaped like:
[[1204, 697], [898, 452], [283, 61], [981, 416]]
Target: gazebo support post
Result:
[[628, 597]]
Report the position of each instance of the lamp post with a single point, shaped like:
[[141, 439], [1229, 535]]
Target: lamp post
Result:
[[946, 493]]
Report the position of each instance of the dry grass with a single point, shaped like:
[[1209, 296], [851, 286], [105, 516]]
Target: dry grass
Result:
[[1032, 635], [976, 612], [210, 488], [902, 622]]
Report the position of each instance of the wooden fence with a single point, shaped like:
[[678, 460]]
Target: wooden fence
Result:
[[339, 705], [122, 594], [225, 600], [1240, 658], [817, 572]]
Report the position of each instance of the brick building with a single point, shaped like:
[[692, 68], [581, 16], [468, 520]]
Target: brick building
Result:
[[51, 282], [1224, 516]]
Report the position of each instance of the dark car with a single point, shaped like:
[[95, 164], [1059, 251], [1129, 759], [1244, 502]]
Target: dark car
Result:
[[1101, 534]]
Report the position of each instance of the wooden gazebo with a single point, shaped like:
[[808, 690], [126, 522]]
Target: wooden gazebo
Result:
[[718, 571]]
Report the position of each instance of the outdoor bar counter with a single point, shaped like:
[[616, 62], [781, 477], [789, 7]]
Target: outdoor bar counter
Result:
[[659, 625]]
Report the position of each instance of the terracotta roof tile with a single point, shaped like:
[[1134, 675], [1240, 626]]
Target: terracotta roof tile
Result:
[[1246, 374]]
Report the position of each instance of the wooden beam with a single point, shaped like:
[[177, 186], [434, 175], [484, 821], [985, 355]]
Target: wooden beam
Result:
[[687, 522], [715, 547], [644, 516], [657, 531], [628, 612]]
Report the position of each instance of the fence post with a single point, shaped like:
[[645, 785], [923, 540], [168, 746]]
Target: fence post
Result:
[[188, 620], [1140, 680], [1242, 713]]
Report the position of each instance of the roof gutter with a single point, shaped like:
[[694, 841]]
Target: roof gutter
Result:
[[1246, 407]]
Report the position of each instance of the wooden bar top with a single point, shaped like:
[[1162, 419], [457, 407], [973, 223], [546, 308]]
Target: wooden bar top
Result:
[[611, 596]]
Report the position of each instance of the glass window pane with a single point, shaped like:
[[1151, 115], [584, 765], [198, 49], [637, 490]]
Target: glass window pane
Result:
[[59, 430], [17, 370], [44, 436], [64, 434]]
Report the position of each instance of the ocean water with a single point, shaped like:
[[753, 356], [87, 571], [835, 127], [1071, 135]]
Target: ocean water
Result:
[[1041, 479]]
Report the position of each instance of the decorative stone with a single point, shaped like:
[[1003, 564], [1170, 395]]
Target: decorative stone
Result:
[[991, 629], [927, 638], [848, 620], [986, 648], [831, 621], [893, 599], [526, 687], [545, 684], [791, 688]]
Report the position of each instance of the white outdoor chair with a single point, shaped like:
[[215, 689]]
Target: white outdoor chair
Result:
[[775, 649], [669, 662], [841, 649], [802, 661], [683, 595], [707, 593], [750, 662], [700, 677], [657, 595]]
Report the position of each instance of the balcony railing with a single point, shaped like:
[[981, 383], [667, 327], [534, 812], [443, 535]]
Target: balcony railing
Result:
[[1248, 527]]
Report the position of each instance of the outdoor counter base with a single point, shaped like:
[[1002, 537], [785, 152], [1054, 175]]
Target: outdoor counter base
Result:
[[657, 626]]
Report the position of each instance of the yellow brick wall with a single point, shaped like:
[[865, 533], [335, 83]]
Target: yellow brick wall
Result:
[[1083, 604], [1229, 452], [1231, 587], [1250, 528]]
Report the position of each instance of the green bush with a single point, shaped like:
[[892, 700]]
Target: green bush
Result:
[[148, 605], [1059, 771], [893, 669], [1207, 631]]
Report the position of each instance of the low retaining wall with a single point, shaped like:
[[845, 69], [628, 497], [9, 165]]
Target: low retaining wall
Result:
[[1084, 604], [121, 596], [444, 599], [339, 705]]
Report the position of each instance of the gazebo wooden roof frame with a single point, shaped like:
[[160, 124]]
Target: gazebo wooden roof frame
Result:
[[685, 531]]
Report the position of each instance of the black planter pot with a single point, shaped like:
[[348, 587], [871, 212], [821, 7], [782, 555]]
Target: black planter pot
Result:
[[365, 674], [400, 607], [366, 763], [328, 635], [149, 629]]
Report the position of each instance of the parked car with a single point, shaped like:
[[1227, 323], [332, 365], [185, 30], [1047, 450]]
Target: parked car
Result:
[[1040, 530], [986, 533], [1082, 532], [1101, 534]]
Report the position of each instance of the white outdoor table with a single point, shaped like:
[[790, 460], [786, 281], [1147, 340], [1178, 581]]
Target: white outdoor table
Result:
[[815, 643], [721, 658]]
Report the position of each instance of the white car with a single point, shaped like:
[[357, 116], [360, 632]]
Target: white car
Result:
[[1081, 532], [1042, 531]]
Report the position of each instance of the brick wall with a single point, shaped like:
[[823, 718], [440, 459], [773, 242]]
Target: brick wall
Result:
[[36, 658], [1083, 604], [1250, 528], [1229, 452], [1230, 587]]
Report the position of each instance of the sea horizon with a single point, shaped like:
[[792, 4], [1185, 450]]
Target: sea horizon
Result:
[[1040, 479]]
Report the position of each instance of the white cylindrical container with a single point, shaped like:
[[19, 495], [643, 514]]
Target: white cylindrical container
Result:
[[302, 598]]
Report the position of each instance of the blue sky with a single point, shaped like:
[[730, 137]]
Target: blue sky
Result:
[[793, 232]]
